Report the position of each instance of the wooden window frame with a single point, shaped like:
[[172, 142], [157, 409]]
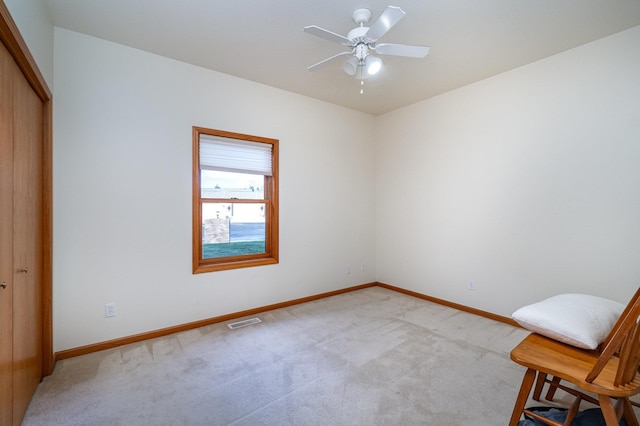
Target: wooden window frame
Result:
[[270, 256]]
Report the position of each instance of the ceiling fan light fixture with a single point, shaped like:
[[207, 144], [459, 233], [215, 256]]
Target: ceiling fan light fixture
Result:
[[372, 65], [350, 66]]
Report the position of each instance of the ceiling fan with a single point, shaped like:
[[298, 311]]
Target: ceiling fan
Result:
[[363, 40]]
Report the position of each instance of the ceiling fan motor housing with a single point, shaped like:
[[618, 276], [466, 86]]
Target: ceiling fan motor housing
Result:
[[358, 35], [361, 52]]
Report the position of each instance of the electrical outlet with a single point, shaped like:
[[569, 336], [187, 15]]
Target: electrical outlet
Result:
[[347, 269], [109, 310], [471, 285], [363, 267]]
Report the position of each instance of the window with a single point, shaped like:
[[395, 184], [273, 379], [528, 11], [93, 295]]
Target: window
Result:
[[235, 200]]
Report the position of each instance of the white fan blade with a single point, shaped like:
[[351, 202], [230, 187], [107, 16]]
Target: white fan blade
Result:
[[391, 16], [402, 50], [326, 34], [327, 61]]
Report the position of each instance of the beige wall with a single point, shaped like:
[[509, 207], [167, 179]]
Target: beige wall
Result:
[[527, 183], [122, 191]]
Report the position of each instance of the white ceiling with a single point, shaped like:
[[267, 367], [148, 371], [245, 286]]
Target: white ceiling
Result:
[[263, 40]]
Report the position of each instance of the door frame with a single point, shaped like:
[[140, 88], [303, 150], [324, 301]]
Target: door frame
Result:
[[17, 47]]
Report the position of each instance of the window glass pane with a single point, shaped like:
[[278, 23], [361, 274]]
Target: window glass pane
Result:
[[232, 229], [228, 185]]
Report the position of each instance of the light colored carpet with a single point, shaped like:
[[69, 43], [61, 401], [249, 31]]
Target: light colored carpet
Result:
[[368, 357]]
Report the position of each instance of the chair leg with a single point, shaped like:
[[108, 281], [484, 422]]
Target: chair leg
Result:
[[573, 410], [608, 411], [523, 395], [553, 386], [629, 414], [540, 381]]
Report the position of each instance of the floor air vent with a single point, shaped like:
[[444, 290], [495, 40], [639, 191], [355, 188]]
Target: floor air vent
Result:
[[244, 323]]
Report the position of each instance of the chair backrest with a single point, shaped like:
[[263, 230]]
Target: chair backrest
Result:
[[623, 341]]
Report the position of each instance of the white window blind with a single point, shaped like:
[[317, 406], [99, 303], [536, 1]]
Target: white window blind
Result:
[[233, 155]]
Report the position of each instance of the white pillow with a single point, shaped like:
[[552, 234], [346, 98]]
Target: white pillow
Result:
[[579, 320]]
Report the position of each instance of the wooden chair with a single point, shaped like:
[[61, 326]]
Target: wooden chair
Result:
[[555, 382], [610, 372]]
